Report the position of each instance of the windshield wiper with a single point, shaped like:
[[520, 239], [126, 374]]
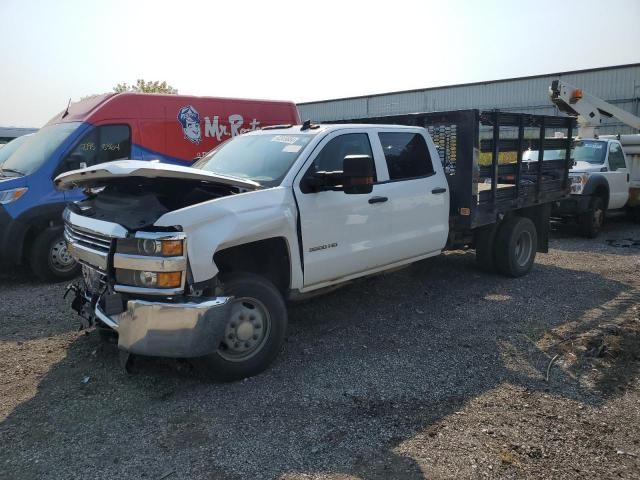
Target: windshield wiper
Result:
[[12, 170]]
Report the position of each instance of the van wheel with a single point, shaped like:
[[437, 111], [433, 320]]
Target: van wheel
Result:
[[254, 333], [485, 252], [49, 258], [515, 246], [592, 220]]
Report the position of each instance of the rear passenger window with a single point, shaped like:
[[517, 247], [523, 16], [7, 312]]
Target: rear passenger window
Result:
[[406, 154]]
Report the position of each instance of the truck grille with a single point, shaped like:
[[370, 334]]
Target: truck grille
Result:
[[84, 238]]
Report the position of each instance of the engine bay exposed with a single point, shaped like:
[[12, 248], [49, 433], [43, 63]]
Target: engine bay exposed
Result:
[[137, 202]]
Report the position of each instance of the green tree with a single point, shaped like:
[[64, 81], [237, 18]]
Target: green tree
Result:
[[146, 87]]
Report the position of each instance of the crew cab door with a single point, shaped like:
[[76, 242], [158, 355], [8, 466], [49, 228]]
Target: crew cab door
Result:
[[617, 176], [342, 234], [418, 193]]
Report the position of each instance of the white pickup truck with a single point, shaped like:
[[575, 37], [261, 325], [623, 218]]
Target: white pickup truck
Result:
[[606, 171], [199, 261], [600, 182]]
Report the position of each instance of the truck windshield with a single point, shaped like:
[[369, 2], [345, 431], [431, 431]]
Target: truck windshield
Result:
[[592, 151], [37, 148], [263, 158], [532, 155], [12, 146]]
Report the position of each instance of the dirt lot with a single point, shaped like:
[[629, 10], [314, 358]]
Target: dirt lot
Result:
[[437, 371]]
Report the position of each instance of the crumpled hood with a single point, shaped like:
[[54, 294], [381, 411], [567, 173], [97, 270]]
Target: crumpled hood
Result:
[[581, 166], [95, 176]]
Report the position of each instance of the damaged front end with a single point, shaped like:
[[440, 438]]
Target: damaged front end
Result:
[[136, 283]]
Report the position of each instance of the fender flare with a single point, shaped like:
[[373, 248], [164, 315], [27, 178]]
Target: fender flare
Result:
[[594, 183]]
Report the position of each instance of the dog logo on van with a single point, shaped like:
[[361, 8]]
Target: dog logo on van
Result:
[[189, 118]]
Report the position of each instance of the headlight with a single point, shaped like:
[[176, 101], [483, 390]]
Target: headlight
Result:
[[151, 260], [137, 278], [578, 182], [8, 196], [151, 247]]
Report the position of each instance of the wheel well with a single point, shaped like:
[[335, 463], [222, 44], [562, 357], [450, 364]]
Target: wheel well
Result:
[[269, 258]]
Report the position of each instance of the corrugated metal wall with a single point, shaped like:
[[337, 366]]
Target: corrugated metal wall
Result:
[[617, 85]]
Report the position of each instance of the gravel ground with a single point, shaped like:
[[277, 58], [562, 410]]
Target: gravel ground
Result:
[[436, 371]]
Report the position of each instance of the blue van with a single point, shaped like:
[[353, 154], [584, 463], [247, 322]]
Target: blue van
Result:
[[141, 126]]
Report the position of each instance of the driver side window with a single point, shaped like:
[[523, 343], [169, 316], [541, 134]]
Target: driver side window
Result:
[[616, 157], [102, 144], [85, 151], [332, 155]]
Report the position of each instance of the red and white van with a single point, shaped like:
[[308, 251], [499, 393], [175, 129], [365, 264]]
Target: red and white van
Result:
[[178, 128]]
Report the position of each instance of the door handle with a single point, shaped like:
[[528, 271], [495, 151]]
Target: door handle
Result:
[[439, 190], [378, 199]]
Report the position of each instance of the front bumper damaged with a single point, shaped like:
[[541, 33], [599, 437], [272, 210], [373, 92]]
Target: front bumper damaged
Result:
[[154, 321], [178, 330]]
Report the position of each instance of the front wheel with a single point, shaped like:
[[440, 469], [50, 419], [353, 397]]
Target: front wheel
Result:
[[592, 220], [49, 258], [516, 246], [254, 332]]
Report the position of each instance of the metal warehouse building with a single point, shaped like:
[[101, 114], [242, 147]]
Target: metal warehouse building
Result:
[[619, 85]]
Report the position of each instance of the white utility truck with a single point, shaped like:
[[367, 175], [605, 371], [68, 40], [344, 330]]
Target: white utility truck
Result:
[[198, 262], [606, 169]]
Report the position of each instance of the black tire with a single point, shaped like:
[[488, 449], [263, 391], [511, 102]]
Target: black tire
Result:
[[592, 220], [49, 259], [516, 244], [485, 253], [227, 364]]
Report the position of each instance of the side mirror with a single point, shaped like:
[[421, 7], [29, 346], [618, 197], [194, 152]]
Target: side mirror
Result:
[[358, 174]]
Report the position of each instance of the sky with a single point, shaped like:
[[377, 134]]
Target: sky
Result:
[[54, 50]]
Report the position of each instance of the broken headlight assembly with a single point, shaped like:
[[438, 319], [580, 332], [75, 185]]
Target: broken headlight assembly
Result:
[[151, 247], [148, 279], [151, 262]]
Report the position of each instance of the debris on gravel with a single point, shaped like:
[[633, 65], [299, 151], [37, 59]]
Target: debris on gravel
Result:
[[435, 371]]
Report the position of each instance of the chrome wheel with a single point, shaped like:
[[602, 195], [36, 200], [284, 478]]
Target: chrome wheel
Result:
[[59, 257], [247, 330], [524, 246]]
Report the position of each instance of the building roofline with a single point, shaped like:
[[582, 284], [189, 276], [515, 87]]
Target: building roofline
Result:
[[485, 82]]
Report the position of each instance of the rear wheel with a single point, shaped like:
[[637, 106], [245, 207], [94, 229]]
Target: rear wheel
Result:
[[254, 332], [515, 246], [49, 258], [592, 220]]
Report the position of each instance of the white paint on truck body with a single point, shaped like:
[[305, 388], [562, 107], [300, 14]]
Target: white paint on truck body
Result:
[[343, 236]]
